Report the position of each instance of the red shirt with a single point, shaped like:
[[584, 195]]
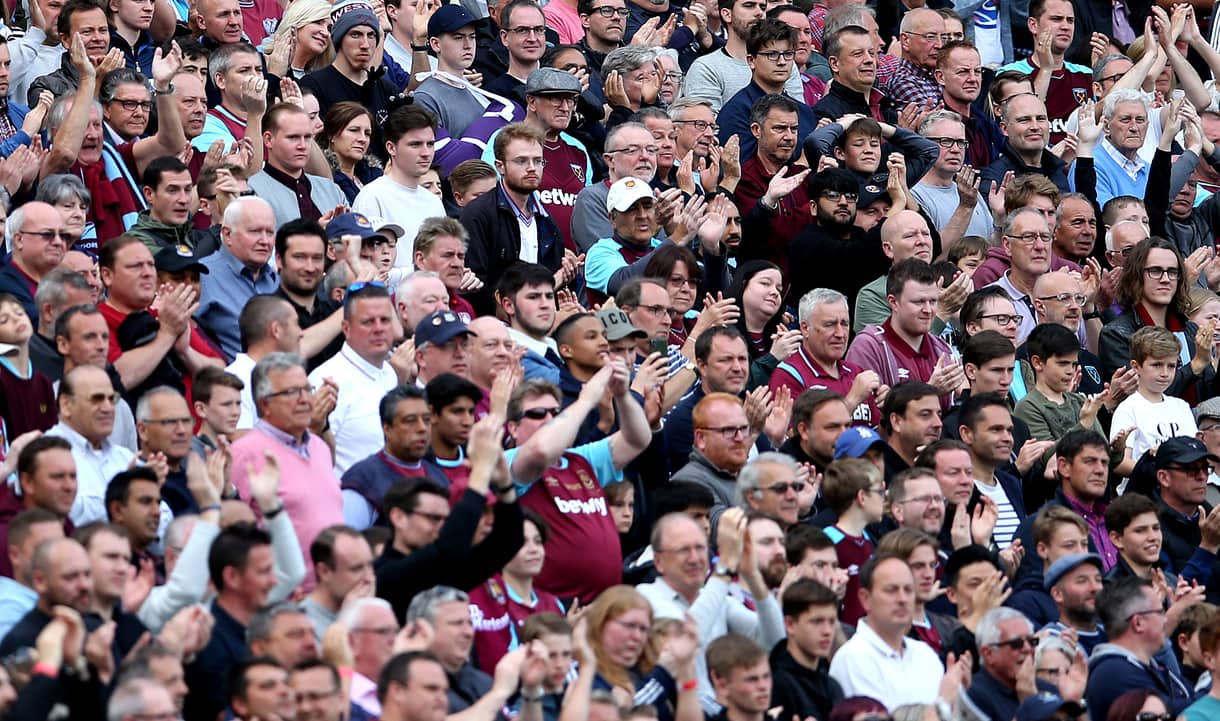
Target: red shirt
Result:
[[801, 372], [919, 364], [565, 175], [853, 553], [789, 220], [498, 616]]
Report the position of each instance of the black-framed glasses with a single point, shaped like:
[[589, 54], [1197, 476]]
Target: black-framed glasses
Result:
[[729, 432], [1190, 470], [1146, 612], [700, 125], [780, 489], [433, 517], [947, 143], [1156, 272], [777, 56], [1125, 252], [635, 150], [1031, 238], [1153, 716], [657, 310], [1077, 298], [1018, 643], [1002, 319], [131, 105], [1109, 78], [538, 414], [527, 30], [607, 11], [927, 37], [834, 196], [295, 391]]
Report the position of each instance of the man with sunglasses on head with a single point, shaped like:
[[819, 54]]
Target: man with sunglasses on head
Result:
[[361, 371], [1006, 643]]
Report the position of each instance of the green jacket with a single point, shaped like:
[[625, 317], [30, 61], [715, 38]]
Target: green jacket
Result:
[[157, 235], [1049, 421]]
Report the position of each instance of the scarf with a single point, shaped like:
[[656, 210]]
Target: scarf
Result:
[[114, 209]]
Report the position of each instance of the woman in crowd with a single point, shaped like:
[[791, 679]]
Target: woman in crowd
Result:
[[348, 130], [758, 289], [70, 196], [306, 25]]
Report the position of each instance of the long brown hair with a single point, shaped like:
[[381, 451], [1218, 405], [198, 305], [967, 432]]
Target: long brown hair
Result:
[[612, 603], [340, 115], [1131, 282]]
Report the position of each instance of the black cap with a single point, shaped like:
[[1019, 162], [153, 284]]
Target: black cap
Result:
[[1181, 450], [177, 258]]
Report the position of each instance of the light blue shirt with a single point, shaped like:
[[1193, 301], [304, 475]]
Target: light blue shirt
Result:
[[596, 453], [224, 291], [16, 601], [603, 259]]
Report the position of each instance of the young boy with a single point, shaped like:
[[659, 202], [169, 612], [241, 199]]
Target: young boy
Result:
[[556, 634], [969, 253], [858, 147], [1185, 637], [855, 492], [27, 398], [1134, 527], [800, 664], [1051, 408], [216, 395], [1155, 416], [1208, 707]]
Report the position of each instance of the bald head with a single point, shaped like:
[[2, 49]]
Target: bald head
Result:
[[62, 575], [490, 349], [1124, 235], [1066, 312], [906, 235]]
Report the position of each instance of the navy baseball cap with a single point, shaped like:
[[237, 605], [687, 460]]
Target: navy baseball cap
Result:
[[1063, 566], [351, 224], [1182, 450], [177, 258], [1044, 705], [855, 442], [449, 18], [438, 327]]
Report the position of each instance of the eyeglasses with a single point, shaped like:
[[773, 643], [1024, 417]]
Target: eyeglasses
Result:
[[1190, 470], [384, 631], [1156, 272], [530, 162], [98, 399], [1031, 238], [1018, 643], [877, 490], [729, 432], [558, 101], [527, 30], [950, 37], [698, 549], [171, 422], [947, 143], [780, 489], [47, 236], [1109, 78], [295, 391], [432, 517], [608, 12], [925, 500], [538, 414], [1002, 319], [927, 37], [635, 150], [131, 105], [1125, 252], [777, 56], [673, 77], [834, 196], [657, 310], [1147, 612], [679, 280], [700, 125], [1051, 672], [1077, 298]]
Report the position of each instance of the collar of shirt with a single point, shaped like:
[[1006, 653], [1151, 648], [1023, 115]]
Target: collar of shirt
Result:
[[917, 71], [300, 447], [239, 268], [533, 203], [350, 355], [1015, 293], [1129, 166], [300, 185], [538, 346], [866, 634], [68, 433], [924, 349]]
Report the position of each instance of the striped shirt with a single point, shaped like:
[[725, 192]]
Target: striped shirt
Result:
[[1008, 520]]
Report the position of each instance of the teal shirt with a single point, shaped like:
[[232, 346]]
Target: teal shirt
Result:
[[1205, 709]]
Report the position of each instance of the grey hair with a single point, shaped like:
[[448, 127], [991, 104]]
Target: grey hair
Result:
[[1068, 196], [260, 381], [144, 405], [116, 78], [988, 631], [621, 127], [750, 477], [15, 220], [259, 628], [350, 616], [408, 282], [1122, 95], [671, 54], [936, 117], [1011, 218], [816, 297], [844, 16], [679, 106], [1099, 67], [628, 58], [336, 277], [55, 189], [1110, 232], [236, 210], [424, 605], [221, 58], [1053, 643], [53, 290], [178, 532], [128, 699], [59, 112]]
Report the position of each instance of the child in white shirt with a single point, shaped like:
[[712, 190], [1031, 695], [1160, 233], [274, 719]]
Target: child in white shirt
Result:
[[1154, 416]]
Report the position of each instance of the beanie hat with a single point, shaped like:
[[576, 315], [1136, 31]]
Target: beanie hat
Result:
[[348, 15]]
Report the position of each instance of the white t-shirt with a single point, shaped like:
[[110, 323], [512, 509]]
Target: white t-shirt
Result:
[[1154, 422], [390, 200], [987, 34], [1008, 520]]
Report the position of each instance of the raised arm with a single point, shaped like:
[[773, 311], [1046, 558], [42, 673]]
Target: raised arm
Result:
[[66, 144], [546, 447]]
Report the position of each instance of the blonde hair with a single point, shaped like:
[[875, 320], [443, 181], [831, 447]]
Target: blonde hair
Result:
[[299, 14], [609, 605], [1197, 297]]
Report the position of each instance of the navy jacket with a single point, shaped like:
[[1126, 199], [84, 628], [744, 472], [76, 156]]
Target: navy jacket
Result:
[[13, 282], [1113, 670], [734, 119], [495, 241]]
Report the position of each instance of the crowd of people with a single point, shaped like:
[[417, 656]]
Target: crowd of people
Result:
[[609, 360]]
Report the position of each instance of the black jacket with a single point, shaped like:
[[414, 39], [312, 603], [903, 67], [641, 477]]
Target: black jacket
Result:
[[828, 261], [1181, 538], [840, 100], [799, 690], [495, 242], [1114, 349], [1094, 17], [1051, 166]]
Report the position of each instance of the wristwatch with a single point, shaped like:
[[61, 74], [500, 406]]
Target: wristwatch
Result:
[[723, 570], [169, 90]]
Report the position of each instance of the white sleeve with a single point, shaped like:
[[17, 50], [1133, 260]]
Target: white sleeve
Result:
[[186, 585]]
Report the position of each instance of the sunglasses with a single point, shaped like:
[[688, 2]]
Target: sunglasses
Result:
[[1153, 716], [1016, 644], [538, 414]]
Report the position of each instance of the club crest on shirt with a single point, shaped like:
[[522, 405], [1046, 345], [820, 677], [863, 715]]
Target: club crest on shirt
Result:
[[1080, 95], [585, 480], [578, 171]]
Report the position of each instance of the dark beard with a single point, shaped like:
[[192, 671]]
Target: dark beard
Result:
[[835, 228], [773, 573], [298, 290], [1079, 616]]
